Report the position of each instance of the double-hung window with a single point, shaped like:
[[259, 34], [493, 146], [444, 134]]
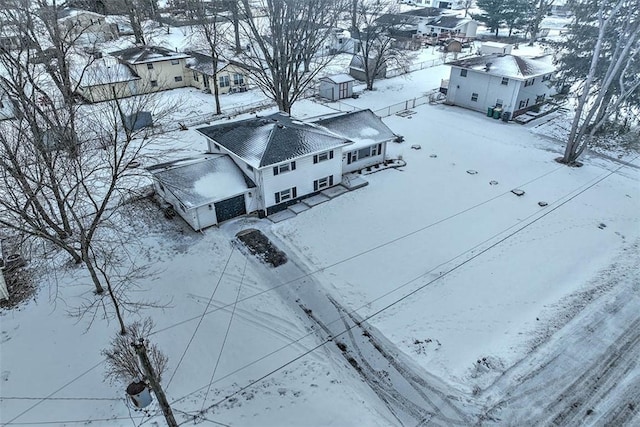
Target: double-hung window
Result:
[[238, 79], [463, 73], [505, 81], [322, 157], [321, 183], [284, 195], [286, 167], [223, 81]]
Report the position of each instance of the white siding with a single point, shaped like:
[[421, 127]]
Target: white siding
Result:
[[489, 89], [362, 162], [302, 177]]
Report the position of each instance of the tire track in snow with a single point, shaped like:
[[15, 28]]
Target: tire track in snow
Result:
[[263, 320]]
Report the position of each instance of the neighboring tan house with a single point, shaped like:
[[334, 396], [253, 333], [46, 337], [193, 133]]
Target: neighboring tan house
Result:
[[231, 77], [104, 79], [512, 84], [86, 26], [430, 21], [157, 67], [265, 164]]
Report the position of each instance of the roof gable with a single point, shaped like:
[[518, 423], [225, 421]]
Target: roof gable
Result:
[[362, 127], [144, 54], [515, 67], [264, 141]]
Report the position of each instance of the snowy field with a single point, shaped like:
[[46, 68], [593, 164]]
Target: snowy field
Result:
[[444, 262]]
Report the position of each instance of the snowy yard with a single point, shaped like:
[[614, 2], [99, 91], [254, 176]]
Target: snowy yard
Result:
[[439, 256]]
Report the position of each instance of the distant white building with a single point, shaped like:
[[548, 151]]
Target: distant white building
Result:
[[511, 84], [488, 48]]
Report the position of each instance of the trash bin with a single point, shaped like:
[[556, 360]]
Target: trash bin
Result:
[[497, 112], [506, 116], [490, 112]]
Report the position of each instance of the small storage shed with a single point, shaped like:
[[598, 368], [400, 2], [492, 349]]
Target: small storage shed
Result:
[[339, 86]]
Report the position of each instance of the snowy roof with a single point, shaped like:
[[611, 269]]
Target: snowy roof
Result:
[[102, 71], [201, 181], [423, 12], [203, 63], [496, 44], [449, 22], [68, 13], [339, 78], [144, 54], [397, 19], [516, 67], [362, 127], [264, 141]]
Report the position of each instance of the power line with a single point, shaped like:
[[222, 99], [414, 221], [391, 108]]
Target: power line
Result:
[[226, 334], [56, 398], [359, 254], [202, 316], [586, 187], [296, 279]]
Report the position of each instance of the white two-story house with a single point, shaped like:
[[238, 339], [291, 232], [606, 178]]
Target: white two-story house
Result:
[[512, 84], [265, 164], [286, 158]]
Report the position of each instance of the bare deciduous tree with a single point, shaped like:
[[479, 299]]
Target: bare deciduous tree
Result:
[[121, 359], [285, 54], [377, 48], [613, 67]]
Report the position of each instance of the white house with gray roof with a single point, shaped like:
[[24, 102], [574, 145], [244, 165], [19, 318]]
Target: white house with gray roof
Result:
[[265, 164], [512, 84], [287, 159]]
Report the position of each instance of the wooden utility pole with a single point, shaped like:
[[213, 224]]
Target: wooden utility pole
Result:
[[150, 373]]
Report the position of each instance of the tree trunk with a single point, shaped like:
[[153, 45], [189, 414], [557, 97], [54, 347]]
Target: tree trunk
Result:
[[92, 270], [116, 306]]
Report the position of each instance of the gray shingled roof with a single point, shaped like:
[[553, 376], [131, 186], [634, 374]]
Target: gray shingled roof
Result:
[[511, 66], [264, 141], [362, 127], [203, 63], [144, 54]]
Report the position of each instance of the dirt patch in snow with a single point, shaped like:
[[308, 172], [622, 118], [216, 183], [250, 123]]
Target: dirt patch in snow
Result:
[[262, 247]]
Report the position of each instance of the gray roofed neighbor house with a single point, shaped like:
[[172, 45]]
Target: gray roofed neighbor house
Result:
[[264, 141], [511, 66], [423, 12], [144, 54], [362, 127]]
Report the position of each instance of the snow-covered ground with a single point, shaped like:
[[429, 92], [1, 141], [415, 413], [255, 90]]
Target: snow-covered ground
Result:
[[471, 283]]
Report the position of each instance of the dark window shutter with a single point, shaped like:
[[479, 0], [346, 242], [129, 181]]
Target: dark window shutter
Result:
[[315, 185], [348, 158], [315, 159], [379, 149], [331, 154], [293, 166], [277, 197], [275, 170], [330, 180], [294, 192]]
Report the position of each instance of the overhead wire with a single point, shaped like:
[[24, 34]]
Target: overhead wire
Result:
[[580, 190]]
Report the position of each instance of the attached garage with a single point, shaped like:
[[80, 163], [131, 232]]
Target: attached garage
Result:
[[230, 208], [204, 191]]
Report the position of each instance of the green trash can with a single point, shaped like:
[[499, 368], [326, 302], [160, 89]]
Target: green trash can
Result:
[[490, 112], [497, 112]]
